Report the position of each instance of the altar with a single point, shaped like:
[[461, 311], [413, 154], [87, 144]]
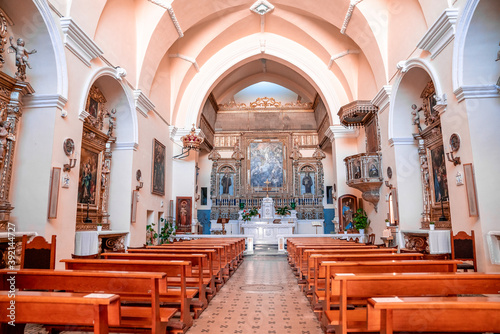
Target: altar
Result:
[[265, 233]]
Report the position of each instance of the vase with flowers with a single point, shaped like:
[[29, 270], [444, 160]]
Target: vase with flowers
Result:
[[247, 214]]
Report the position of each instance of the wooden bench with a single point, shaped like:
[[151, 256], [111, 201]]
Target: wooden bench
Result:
[[318, 274], [437, 314], [177, 295], [394, 266], [59, 308], [193, 278], [355, 289]]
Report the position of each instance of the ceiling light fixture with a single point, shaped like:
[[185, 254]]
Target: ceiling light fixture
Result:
[[262, 7]]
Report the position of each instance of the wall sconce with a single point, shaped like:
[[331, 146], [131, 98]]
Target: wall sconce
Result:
[[190, 142], [69, 147], [455, 146], [388, 185], [138, 176], [455, 160]]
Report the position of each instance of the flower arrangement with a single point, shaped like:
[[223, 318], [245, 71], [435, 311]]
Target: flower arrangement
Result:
[[167, 231], [283, 211], [151, 234], [247, 215], [360, 219]]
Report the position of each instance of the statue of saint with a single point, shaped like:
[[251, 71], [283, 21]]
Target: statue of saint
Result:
[[307, 182], [226, 182], [347, 214], [22, 56]]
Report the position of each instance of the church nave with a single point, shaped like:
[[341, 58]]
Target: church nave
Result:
[[261, 297]]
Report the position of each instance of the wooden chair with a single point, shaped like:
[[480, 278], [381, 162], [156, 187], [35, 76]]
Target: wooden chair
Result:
[[371, 239], [38, 253], [463, 247]]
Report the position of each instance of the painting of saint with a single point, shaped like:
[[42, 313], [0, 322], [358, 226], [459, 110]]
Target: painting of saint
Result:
[[439, 178], [226, 184], [307, 183], [87, 181], [158, 182], [183, 213], [266, 163], [93, 107]]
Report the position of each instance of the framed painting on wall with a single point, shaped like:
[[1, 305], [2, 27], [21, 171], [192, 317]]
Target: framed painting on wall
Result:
[[89, 178], [437, 169], [158, 172], [54, 192], [183, 213], [348, 204], [470, 186], [266, 164]]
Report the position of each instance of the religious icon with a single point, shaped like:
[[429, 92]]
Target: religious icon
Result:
[[307, 182], [226, 183], [158, 182]]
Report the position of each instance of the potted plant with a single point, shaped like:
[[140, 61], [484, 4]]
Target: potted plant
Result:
[[361, 221], [167, 231], [283, 211], [293, 205], [242, 205], [387, 222], [99, 227], [151, 234], [247, 215], [432, 226]]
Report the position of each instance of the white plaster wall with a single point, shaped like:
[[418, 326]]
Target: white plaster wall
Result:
[[205, 166]]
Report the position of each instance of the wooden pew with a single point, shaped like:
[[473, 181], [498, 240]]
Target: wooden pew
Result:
[[394, 266], [441, 314], [319, 274], [179, 296], [193, 279], [213, 265], [357, 288], [59, 308]]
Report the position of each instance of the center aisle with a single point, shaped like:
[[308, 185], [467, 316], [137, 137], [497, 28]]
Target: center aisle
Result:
[[261, 297]]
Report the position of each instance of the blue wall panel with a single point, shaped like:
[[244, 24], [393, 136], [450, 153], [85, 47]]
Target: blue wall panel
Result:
[[329, 216], [204, 219]]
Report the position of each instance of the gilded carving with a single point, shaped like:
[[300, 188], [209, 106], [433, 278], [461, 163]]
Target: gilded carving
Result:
[[3, 36]]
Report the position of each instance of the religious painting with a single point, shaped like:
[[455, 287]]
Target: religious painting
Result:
[[307, 183], [94, 101], [93, 107], [266, 163], [348, 204], [226, 185], [471, 190], [439, 180], [183, 213], [158, 174], [88, 178]]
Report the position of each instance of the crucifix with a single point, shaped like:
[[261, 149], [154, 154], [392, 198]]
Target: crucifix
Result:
[[267, 187]]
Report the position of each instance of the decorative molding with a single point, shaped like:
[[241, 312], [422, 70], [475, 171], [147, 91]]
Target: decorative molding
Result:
[[383, 98], [171, 12], [142, 103], [83, 115], [440, 34], [45, 101], [54, 9], [262, 7], [78, 42], [339, 131], [348, 15], [340, 55], [401, 141], [186, 58], [477, 92], [125, 146]]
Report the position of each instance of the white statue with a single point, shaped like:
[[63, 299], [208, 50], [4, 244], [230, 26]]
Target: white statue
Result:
[[22, 56]]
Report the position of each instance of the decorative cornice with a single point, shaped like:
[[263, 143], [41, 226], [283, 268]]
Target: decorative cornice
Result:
[[383, 98], [142, 103], [339, 131], [348, 15], [125, 146], [186, 58], [78, 42], [441, 33], [83, 115], [401, 141], [477, 92], [45, 101], [340, 55], [171, 12]]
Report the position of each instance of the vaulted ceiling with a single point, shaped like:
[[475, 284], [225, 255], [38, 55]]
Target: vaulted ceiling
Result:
[[178, 52]]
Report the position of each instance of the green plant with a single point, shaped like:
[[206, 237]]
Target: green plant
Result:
[[151, 234], [247, 215], [283, 211], [432, 223], [167, 231], [360, 219]]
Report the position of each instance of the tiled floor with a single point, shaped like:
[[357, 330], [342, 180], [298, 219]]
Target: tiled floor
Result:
[[261, 297]]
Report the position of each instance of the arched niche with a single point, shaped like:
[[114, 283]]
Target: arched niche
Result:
[[415, 132], [115, 170]]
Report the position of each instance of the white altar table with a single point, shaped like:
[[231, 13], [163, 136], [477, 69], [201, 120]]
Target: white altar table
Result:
[[438, 240], [264, 233]]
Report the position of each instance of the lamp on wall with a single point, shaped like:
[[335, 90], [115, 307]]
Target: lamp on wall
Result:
[[455, 146], [69, 147], [190, 142], [138, 176]]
